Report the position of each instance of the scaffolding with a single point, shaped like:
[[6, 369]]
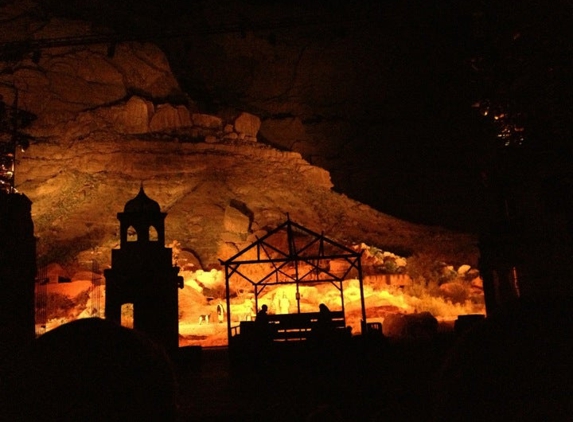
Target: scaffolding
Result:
[[293, 254]]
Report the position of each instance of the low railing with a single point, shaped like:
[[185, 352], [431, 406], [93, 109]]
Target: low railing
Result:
[[291, 327]]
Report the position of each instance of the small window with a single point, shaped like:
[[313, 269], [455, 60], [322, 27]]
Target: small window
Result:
[[131, 234], [153, 236], [127, 315]]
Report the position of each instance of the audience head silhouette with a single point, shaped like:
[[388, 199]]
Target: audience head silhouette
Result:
[[92, 369], [517, 365]]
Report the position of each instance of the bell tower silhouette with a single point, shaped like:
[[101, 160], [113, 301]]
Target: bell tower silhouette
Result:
[[142, 273]]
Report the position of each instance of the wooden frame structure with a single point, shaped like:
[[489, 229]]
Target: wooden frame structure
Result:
[[295, 255]]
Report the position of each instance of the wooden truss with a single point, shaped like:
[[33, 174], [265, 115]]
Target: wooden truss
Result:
[[293, 254]]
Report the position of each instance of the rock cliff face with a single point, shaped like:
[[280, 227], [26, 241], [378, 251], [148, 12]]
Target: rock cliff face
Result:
[[105, 123], [368, 90], [104, 119], [217, 196]]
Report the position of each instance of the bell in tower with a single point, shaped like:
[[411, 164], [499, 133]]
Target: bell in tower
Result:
[[142, 273]]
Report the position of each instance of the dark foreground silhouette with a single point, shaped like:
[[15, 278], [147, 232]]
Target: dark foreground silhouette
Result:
[[91, 369], [515, 366]]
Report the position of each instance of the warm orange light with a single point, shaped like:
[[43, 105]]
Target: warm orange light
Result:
[[203, 308]]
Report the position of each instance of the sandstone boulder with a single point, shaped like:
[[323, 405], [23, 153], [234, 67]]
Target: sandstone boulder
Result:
[[235, 221], [248, 124], [137, 115], [283, 132], [463, 269], [206, 121], [145, 69], [168, 118], [67, 81]]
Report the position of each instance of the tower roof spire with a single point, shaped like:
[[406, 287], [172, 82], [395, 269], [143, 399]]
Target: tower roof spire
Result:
[[141, 203]]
